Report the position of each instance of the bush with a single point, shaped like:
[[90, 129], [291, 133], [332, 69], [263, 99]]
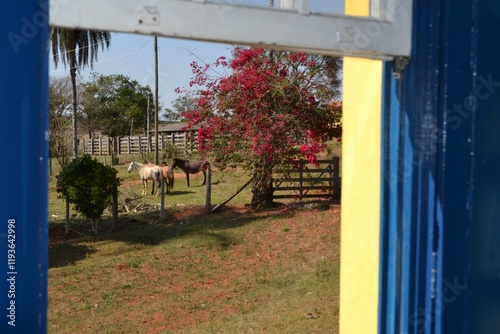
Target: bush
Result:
[[89, 186]]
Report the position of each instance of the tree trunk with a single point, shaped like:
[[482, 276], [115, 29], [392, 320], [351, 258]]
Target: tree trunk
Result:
[[95, 228], [75, 132], [89, 125], [262, 188]]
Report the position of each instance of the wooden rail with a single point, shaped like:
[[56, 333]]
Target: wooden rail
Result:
[[137, 144], [309, 181]]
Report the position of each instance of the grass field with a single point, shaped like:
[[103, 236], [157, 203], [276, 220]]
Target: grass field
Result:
[[274, 271]]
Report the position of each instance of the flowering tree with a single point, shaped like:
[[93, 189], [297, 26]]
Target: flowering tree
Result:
[[270, 108]]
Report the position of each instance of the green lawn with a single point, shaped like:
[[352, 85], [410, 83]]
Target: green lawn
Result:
[[274, 271]]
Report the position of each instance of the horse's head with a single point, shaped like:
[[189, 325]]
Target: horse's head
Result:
[[130, 167], [175, 163]]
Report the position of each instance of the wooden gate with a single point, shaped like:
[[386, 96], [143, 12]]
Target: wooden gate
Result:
[[309, 181]]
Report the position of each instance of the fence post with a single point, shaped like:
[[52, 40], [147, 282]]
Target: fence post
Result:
[[67, 216], [336, 177], [185, 142], [140, 145], [115, 207], [191, 142], [208, 202], [301, 178], [162, 200]]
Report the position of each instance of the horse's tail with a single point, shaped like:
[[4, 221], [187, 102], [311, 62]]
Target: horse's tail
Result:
[[157, 177]]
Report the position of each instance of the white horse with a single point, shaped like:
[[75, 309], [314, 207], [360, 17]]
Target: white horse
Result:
[[167, 174], [147, 173]]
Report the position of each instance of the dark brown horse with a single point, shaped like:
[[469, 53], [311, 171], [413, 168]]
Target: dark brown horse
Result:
[[192, 167]]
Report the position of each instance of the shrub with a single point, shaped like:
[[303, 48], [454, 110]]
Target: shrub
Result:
[[89, 186]]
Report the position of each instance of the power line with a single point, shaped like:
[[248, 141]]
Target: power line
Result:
[[128, 61], [111, 59]]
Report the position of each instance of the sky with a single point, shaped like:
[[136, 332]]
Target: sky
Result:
[[133, 56]]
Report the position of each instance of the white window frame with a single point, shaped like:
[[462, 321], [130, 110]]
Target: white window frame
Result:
[[384, 35]]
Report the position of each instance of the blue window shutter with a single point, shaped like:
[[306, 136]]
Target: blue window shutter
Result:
[[24, 176]]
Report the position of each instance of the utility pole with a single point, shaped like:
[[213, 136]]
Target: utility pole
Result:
[[147, 127], [156, 101]]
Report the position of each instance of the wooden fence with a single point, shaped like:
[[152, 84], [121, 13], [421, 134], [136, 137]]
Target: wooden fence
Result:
[[309, 181], [138, 144]]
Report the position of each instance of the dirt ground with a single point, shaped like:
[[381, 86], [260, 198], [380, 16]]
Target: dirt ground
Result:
[[217, 289]]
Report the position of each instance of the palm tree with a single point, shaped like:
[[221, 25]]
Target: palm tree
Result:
[[77, 48]]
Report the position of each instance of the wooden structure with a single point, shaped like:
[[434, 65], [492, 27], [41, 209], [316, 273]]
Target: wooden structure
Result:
[[174, 128], [309, 181], [139, 144]]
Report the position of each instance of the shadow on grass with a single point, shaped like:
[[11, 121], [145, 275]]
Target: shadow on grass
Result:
[[178, 192], [65, 254], [145, 229]]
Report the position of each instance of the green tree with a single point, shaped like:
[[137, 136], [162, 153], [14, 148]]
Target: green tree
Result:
[[117, 104], [89, 107], [77, 48], [181, 105], [89, 186], [59, 120]]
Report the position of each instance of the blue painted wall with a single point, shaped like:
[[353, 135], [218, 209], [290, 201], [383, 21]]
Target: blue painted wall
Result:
[[485, 180], [441, 181], [23, 177]]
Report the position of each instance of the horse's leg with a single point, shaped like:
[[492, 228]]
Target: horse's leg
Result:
[[204, 177], [157, 181], [158, 186], [144, 186], [187, 178]]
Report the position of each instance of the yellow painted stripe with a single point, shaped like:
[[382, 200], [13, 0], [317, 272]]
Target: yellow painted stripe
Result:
[[360, 232]]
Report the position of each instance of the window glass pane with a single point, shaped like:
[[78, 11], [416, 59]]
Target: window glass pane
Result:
[[315, 6]]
